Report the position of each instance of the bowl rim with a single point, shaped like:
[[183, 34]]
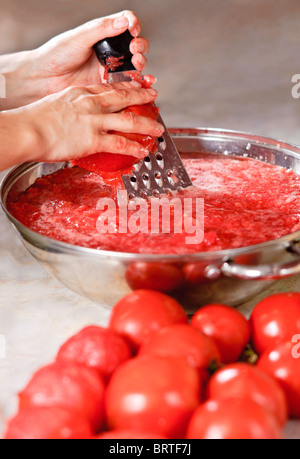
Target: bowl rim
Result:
[[55, 245]]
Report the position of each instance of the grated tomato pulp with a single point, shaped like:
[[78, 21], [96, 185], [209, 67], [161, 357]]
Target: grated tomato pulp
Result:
[[245, 202]]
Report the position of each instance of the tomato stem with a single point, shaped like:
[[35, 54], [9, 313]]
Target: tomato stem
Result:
[[249, 355]]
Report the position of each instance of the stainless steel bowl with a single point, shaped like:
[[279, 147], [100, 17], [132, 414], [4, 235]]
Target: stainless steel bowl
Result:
[[228, 276]]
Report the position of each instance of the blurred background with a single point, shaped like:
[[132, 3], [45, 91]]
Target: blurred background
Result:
[[226, 64], [219, 63]]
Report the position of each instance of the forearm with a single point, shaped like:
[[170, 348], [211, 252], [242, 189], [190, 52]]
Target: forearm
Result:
[[18, 140], [21, 77]]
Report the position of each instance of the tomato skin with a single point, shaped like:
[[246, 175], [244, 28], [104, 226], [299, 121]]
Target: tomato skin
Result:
[[245, 380], [72, 386], [185, 341], [284, 365], [235, 418], [194, 273], [228, 327], [43, 423], [96, 347], [274, 320], [129, 434], [153, 393], [163, 277], [141, 313], [111, 162]]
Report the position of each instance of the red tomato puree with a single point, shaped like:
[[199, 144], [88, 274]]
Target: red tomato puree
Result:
[[245, 202]]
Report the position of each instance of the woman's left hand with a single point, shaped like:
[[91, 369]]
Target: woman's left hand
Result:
[[69, 58]]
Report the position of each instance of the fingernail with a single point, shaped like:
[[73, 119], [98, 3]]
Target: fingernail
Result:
[[152, 92], [120, 23], [134, 31], [136, 84], [143, 152]]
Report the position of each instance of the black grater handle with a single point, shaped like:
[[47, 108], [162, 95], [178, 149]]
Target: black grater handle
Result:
[[115, 47]]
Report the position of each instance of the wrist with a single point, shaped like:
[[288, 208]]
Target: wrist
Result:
[[19, 138], [22, 80]]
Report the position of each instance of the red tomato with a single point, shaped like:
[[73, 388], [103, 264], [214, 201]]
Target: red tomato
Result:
[[181, 340], [274, 320], [47, 423], [98, 348], [283, 363], [152, 393], [71, 385], [245, 380], [141, 313], [120, 434], [163, 277], [194, 273], [232, 419], [228, 327], [111, 162]]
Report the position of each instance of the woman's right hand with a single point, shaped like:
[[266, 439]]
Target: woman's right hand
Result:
[[78, 122]]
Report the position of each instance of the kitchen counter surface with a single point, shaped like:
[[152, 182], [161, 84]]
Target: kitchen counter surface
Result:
[[231, 67]]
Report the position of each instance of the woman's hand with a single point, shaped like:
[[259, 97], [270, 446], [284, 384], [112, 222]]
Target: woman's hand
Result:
[[67, 60], [77, 122]]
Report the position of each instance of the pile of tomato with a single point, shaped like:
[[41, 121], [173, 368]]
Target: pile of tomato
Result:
[[154, 374]]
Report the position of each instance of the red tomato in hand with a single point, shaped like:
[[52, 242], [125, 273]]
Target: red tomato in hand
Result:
[[96, 347], [120, 434], [274, 320], [163, 277], [181, 340], [232, 419], [245, 380], [283, 364], [73, 386], [228, 327], [111, 162], [43, 423], [141, 313], [153, 393]]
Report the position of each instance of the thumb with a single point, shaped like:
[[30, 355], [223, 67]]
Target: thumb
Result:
[[88, 34]]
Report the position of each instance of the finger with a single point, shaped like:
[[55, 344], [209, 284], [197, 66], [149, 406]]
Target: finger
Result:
[[106, 87], [118, 99], [139, 61], [139, 45], [91, 32], [113, 143], [134, 23], [131, 123]]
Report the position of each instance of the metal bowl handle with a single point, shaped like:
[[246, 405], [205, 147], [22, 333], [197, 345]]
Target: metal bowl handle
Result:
[[265, 272]]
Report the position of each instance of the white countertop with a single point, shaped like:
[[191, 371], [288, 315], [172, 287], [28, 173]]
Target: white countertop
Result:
[[230, 67]]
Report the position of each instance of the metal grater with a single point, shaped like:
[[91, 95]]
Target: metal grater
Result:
[[159, 173]]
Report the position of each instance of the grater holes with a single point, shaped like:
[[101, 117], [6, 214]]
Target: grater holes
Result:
[[160, 160], [133, 182], [144, 195], [158, 178], [147, 162], [162, 143], [131, 196], [172, 178], [156, 193]]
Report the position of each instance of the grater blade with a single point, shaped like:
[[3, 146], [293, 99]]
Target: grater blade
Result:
[[159, 173]]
